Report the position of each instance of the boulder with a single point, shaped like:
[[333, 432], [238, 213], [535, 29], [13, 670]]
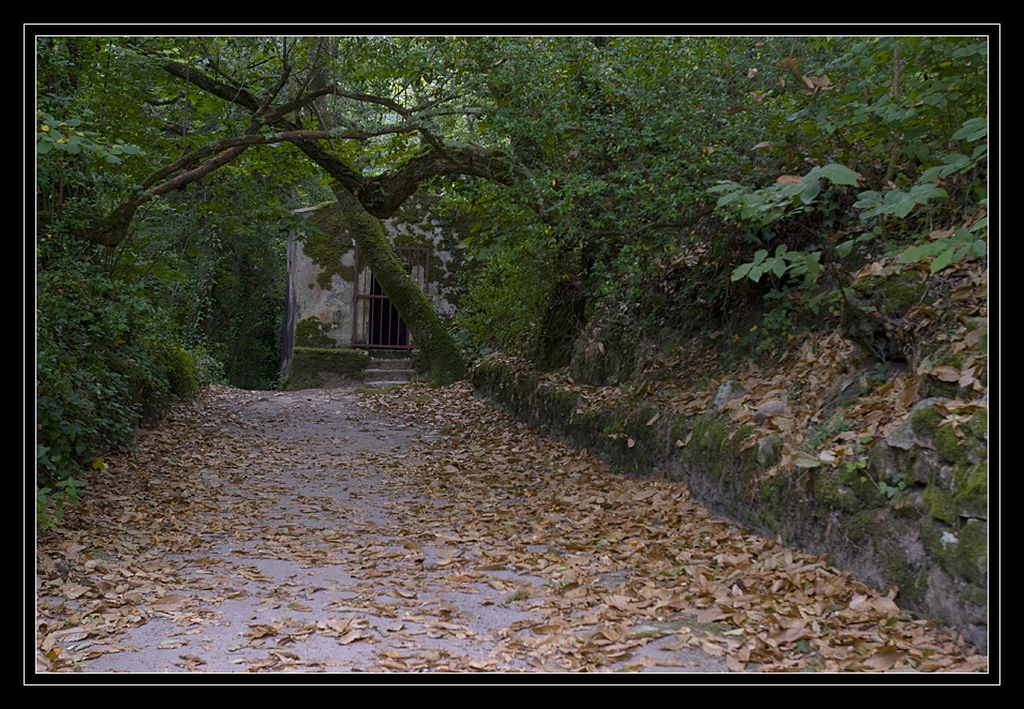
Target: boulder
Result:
[[729, 390], [772, 407]]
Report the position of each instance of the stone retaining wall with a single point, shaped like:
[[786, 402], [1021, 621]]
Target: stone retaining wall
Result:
[[912, 514]]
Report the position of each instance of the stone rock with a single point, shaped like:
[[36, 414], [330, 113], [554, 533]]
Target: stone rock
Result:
[[769, 450], [903, 437], [729, 390], [925, 467], [883, 460], [772, 407], [931, 401]]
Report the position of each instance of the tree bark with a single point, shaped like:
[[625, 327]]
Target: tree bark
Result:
[[429, 333]]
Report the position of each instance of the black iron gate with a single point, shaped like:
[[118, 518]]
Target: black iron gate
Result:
[[375, 320]]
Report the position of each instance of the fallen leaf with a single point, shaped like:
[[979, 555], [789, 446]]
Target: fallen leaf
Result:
[[168, 603], [945, 374], [885, 658]]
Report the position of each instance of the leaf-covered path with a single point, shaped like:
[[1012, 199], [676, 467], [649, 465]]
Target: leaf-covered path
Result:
[[422, 530]]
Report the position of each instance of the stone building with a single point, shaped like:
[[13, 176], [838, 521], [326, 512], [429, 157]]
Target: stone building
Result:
[[336, 313]]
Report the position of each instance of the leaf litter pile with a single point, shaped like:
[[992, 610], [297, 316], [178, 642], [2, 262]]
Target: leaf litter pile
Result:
[[821, 396], [423, 530]]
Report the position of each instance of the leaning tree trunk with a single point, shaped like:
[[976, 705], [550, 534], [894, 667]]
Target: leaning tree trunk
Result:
[[432, 338]]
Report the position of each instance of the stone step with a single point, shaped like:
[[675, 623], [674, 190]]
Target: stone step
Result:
[[384, 383], [379, 364], [389, 372], [388, 354]]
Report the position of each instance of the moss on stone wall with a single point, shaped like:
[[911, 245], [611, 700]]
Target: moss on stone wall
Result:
[[916, 539], [926, 421], [309, 332], [978, 425], [971, 496], [949, 445], [963, 552], [911, 579], [859, 525], [327, 242], [939, 504], [318, 366], [893, 294]]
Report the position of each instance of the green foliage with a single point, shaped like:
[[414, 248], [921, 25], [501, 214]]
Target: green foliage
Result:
[[106, 360], [826, 431], [890, 491], [964, 245], [62, 136], [796, 263], [897, 203], [782, 199]]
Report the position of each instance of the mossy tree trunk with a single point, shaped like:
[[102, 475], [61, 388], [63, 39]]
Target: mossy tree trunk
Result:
[[431, 336]]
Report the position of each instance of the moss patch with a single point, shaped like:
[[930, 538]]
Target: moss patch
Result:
[[912, 581], [939, 504], [949, 445], [859, 525], [894, 294], [926, 421], [968, 557], [971, 497], [309, 332], [327, 243], [710, 440], [317, 366], [978, 425], [829, 492]]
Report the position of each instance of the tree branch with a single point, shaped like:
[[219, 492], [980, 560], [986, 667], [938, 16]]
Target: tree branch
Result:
[[234, 94], [381, 196], [286, 72]]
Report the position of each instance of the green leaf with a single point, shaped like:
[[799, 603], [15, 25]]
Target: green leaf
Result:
[[722, 186], [869, 199], [973, 129], [919, 252], [729, 198], [845, 248], [810, 191], [941, 261], [840, 174], [903, 206], [741, 271], [778, 267]]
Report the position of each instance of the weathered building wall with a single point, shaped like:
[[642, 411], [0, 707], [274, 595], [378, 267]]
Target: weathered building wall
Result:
[[322, 273]]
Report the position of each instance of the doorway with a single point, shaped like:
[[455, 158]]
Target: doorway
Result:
[[376, 323]]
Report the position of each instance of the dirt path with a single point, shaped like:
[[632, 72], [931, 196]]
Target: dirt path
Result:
[[328, 530]]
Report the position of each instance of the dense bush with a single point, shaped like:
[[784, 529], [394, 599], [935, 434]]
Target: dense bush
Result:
[[108, 359]]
